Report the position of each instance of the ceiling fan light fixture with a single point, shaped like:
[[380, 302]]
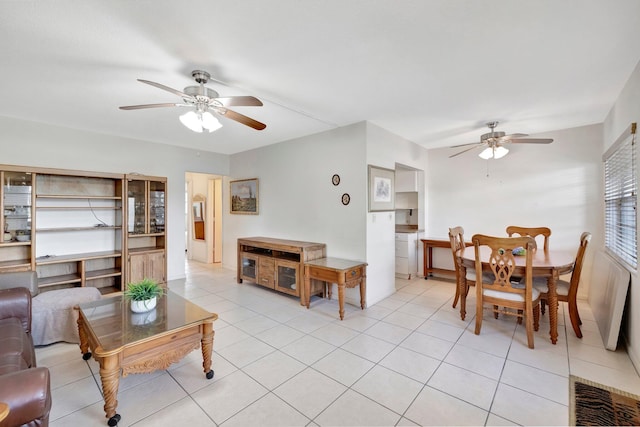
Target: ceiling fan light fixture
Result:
[[500, 152], [209, 122], [493, 152], [197, 121]]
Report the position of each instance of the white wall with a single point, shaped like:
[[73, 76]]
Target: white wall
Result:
[[557, 185], [35, 144], [625, 111], [385, 149], [298, 201]]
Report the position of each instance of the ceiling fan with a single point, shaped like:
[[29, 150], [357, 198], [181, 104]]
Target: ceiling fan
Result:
[[493, 143], [202, 102]]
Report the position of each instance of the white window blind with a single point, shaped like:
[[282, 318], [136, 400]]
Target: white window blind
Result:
[[620, 196]]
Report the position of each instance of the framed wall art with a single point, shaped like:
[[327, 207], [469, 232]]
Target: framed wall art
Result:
[[244, 196], [381, 189]]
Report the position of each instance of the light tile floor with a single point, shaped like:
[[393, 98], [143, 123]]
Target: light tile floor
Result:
[[408, 360]]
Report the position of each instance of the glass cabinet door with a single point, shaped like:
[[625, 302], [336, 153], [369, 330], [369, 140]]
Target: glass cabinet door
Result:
[[287, 277], [249, 267], [156, 207], [137, 205], [17, 206]]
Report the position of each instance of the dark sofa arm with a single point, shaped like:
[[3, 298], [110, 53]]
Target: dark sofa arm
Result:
[[28, 394], [16, 302]]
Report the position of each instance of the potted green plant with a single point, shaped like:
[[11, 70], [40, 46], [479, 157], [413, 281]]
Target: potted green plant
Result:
[[143, 295]]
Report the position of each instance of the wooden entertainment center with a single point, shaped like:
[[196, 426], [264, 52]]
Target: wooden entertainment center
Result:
[[278, 264], [81, 229]]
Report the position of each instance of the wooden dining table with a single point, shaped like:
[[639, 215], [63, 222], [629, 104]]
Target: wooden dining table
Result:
[[550, 264]]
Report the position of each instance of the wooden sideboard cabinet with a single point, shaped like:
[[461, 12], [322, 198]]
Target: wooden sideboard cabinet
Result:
[[278, 264]]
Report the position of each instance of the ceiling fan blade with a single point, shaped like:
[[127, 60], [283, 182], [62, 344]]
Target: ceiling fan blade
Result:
[[240, 118], [514, 135], [239, 101], [139, 107], [464, 151], [466, 145], [530, 141], [167, 88]]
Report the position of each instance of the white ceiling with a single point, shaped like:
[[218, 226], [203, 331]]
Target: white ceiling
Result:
[[431, 71]]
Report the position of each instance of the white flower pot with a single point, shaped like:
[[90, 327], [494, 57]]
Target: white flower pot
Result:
[[143, 306]]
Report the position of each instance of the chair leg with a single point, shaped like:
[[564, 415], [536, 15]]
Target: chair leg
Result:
[[536, 317], [543, 305], [457, 296], [529, 325], [479, 310], [495, 311], [575, 318], [463, 300], [520, 317]]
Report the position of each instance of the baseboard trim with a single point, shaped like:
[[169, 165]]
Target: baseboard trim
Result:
[[635, 360]]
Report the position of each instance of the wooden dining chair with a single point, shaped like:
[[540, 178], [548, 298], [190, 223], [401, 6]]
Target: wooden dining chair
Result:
[[505, 296], [567, 291], [464, 277], [531, 232]]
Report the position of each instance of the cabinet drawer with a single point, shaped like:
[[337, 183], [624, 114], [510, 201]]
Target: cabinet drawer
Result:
[[403, 237], [266, 272], [354, 273]]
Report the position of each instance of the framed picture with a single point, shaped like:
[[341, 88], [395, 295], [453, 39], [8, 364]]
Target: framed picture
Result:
[[244, 196], [381, 189]]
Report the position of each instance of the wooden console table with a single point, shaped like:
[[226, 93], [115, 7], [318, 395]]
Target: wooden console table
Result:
[[427, 254], [343, 272], [276, 263]]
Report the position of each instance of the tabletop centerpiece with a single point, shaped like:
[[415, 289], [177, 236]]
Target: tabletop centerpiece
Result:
[[143, 295]]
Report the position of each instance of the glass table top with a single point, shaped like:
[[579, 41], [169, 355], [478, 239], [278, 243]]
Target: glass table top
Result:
[[114, 324]]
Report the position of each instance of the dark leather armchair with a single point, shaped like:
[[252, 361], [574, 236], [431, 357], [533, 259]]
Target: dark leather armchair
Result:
[[23, 386]]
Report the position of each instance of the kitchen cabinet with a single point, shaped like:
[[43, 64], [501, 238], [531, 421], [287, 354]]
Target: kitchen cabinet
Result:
[[406, 181], [406, 255]]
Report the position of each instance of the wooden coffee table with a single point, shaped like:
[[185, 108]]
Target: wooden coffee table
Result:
[[126, 343]]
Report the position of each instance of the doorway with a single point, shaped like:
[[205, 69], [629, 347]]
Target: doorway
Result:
[[203, 217]]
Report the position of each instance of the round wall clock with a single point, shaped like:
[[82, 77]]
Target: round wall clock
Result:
[[335, 179], [346, 198]]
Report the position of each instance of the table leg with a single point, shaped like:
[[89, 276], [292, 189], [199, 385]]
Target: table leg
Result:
[[84, 340], [307, 286], [363, 292], [553, 307], [424, 260], [110, 377], [430, 251], [341, 287], [207, 348]]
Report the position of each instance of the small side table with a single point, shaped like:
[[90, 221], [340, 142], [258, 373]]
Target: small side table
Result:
[[427, 256], [343, 272], [4, 410]]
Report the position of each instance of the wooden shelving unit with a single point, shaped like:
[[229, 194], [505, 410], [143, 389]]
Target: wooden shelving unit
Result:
[[80, 228]]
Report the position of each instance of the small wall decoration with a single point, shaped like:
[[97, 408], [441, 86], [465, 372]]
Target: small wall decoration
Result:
[[381, 189], [244, 196], [335, 179], [346, 198]]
